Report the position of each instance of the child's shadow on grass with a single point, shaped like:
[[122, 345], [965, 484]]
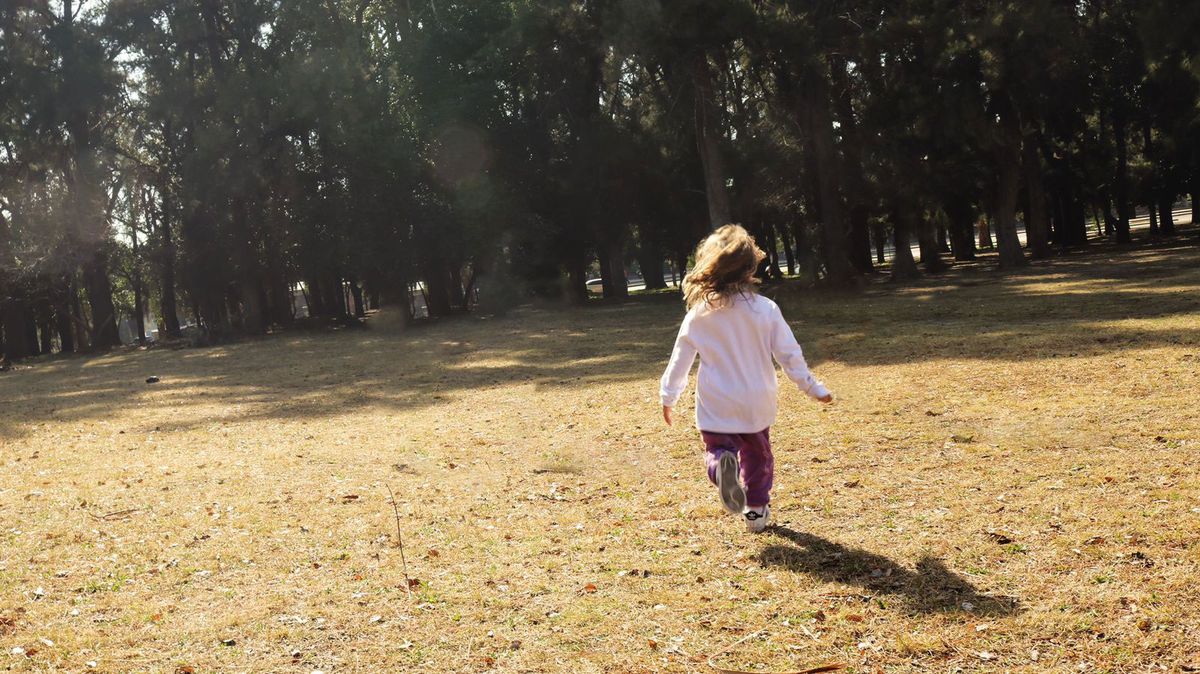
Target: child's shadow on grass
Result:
[[930, 588]]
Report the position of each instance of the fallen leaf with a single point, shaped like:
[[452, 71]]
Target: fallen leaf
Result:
[[652, 643], [589, 588], [851, 484], [349, 497], [855, 618], [432, 553], [999, 538], [229, 642], [185, 669]]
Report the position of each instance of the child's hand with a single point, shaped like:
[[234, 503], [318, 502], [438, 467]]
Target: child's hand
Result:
[[667, 414], [827, 398]]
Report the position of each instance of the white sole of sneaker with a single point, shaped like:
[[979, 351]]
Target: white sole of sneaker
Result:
[[759, 524], [733, 497]]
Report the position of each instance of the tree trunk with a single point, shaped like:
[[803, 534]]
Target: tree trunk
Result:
[[13, 317], [356, 291], [681, 269], [314, 297], [1166, 215], [1195, 193], [708, 141], [651, 262], [139, 307], [788, 254], [99, 294], [1122, 179], [612, 264], [804, 252], [436, 288], [1110, 220], [880, 235], [903, 265], [1008, 163], [63, 324], [773, 254], [46, 330], [31, 330], [1037, 228], [931, 255], [818, 125], [166, 277], [961, 227], [576, 283], [852, 167]]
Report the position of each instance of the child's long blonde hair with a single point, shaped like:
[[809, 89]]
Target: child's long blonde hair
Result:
[[725, 264]]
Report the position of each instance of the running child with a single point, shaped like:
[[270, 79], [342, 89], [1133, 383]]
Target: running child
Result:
[[736, 332]]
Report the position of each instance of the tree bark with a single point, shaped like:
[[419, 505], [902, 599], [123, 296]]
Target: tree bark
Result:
[[1122, 178], [931, 254], [852, 174], [13, 317], [818, 124], [313, 297], [807, 265], [1037, 228], [576, 282], [961, 227], [612, 263], [360, 311], [436, 289], [1008, 162], [1166, 208], [1195, 193], [903, 264], [166, 268], [45, 319], [99, 294], [788, 253], [651, 261], [708, 140]]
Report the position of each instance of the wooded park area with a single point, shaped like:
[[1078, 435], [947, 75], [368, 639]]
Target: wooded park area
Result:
[[204, 162]]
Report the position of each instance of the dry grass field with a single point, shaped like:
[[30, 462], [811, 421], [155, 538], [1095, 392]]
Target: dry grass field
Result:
[[1009, 481]]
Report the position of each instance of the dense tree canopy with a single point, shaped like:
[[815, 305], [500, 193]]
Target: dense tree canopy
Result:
[[221, 163]]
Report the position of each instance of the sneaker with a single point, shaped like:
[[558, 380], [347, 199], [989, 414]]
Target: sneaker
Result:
[[757, 519], [733, 497]]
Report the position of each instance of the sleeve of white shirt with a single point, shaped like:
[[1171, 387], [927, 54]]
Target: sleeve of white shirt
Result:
[[674, 380], [787, 351]]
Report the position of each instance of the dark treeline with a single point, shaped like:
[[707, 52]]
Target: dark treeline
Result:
[[212, 161]]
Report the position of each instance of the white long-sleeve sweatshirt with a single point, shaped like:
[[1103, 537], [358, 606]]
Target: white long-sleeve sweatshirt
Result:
[[737, 385]]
